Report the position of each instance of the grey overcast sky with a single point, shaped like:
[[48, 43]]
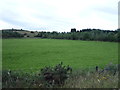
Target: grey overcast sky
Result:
[[59, 15]]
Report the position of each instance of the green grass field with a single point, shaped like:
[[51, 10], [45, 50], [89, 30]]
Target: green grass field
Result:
[[33, 54]]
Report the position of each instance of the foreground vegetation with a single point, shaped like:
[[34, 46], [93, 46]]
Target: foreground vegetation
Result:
[[32, 54], [63, 77]]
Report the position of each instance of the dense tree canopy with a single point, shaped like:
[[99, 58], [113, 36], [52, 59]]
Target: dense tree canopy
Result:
[[11, 34], [84, 34]]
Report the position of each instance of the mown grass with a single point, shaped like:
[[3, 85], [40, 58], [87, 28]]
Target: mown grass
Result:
[[33, 54]]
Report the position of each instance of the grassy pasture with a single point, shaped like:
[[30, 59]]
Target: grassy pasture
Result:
[[33, 54]]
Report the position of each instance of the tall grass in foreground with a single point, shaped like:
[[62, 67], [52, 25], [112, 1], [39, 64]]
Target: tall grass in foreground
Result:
[[103, 78], [92, 78]]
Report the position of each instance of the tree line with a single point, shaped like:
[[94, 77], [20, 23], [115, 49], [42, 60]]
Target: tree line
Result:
[[84, 34], [11, 34]]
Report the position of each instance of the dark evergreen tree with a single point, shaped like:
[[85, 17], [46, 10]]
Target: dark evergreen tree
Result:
[[73, 29]]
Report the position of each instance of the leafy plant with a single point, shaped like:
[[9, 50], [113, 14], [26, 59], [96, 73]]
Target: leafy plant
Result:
[[55, 76]]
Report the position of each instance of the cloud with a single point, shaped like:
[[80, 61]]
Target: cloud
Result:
[[58, 15]]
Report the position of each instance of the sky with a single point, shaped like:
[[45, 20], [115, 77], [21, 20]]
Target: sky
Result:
[[58, 15]]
